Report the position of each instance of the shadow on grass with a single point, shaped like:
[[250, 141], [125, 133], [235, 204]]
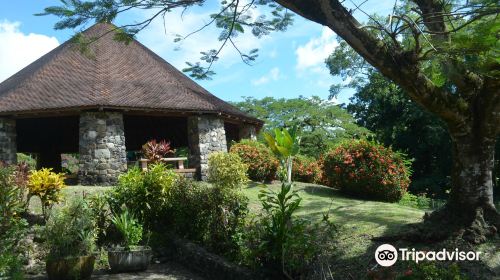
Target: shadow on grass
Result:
[[253, 184], [354, 258]]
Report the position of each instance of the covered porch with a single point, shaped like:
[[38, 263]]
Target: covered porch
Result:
[[107, 143]]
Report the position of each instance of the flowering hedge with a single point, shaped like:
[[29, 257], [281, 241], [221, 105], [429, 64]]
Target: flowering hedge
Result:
[[367, 170], [306, 170], [262, 164]]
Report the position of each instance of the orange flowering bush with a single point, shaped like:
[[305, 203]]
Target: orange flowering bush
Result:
[[262, 164], [368, 170], [306, 170]]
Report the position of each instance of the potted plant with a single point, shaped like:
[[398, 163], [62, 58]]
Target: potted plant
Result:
[[70, 238], [128, 255]]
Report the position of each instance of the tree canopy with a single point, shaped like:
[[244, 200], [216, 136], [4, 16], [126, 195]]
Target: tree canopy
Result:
[[320, 122]]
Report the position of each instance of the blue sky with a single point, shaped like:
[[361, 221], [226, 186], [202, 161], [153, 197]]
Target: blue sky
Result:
[[290, 63]]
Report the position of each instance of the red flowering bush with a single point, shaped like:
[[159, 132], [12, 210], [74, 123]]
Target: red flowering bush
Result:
[[262, 164], [368, 170], [306, 170]]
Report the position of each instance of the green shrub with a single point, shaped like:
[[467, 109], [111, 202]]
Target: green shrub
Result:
[[12, 226], [130, 229], [416, 201], [306, 170], [226, 170], [144, 194], [281, 242], [368, 170], [429, 271], [206, 214], [70, 231], [262, 164], [101, 214], [27, 159]]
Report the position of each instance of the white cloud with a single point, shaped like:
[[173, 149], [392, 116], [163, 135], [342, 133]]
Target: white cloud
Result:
[[316, 50], [273, 75], [18, 49], [160, 34]]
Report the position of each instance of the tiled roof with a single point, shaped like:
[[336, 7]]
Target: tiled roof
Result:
[[112, 75]]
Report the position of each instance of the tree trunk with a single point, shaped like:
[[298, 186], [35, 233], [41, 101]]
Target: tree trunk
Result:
[[472, 173], [470, 213]]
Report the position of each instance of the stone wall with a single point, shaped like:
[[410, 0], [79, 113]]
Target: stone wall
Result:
[[102, 148], [248, 131], [8, 146], [206, 134]]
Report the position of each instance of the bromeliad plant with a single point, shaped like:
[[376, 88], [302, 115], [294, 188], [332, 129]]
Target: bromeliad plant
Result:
[[285, 145]]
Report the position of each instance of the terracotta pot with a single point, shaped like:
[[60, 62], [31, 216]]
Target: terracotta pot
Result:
[[135, 259], [70, 268]]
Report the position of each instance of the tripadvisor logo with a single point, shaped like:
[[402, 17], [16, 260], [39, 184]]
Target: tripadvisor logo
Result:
[[387, 255]]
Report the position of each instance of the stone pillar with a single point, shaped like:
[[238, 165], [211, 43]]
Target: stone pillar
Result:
[[102, 148], [248, 131], [206, 134], [8, 145]]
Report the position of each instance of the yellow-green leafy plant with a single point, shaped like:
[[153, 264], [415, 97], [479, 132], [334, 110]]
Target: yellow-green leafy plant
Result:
[[285, 145], [46, 185], [226, 170]]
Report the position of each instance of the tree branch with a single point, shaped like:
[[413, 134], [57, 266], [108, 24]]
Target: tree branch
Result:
[[392, 61]]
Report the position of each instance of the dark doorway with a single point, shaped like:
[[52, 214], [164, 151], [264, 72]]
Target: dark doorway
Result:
[[232, 133], [48, 138], [141, 129]]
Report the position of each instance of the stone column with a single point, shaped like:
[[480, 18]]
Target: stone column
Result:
[[8, 145], [248, 131], [206, 134], [102, 148]]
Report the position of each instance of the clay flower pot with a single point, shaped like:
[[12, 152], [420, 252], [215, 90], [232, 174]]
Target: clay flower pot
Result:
[[70, 268], [136, 258]]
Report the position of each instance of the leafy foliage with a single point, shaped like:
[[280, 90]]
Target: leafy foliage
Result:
[[101, 214], [429, 270], [322, 124], [285, 145], [262, 164], [282, 243], [226, 170], [47, 185], [383, 108], [144, 194], [130, 229], [12, 226], [154, 151], [205, 214], [368, 170], [70, 231], [231, 20], [416, 201]]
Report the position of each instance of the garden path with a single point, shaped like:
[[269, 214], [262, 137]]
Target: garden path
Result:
[[164, 271]]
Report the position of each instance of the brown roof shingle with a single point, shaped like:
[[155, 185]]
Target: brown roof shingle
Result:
[[114, 75]]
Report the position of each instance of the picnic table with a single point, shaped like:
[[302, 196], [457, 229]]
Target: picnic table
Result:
[[178, 162]]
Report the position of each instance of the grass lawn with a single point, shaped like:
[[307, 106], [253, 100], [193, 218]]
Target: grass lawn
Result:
[[360, 221], [68, 193]]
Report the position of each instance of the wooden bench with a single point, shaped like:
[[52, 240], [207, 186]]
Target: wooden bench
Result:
[[178, 161]]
